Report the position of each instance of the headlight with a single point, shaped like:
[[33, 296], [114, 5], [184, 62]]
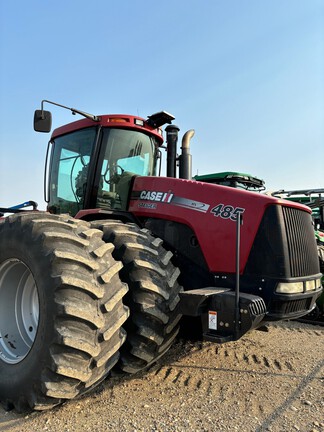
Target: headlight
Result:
[[290, 287], [298, 287], [313, 285], [310, 285]]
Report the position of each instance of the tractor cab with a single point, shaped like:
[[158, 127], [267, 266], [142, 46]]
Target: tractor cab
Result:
[[91, 162], [92, 167]]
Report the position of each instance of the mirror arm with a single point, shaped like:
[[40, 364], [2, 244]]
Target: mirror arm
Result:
[[74, 111]]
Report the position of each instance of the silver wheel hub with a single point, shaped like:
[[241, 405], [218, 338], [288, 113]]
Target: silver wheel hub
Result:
[[19, 311]]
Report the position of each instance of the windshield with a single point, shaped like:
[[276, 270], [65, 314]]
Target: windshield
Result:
[[125, 153]]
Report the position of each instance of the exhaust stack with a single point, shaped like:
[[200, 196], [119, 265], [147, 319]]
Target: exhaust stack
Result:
[[172, 140], [185, 167]]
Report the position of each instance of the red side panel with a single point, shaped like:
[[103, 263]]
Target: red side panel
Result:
[[210, 210]]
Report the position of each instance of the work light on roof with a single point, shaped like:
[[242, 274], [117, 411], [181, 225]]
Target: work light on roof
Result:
[[159, 119]]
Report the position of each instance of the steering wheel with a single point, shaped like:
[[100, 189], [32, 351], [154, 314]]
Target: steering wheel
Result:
[[115, 177]]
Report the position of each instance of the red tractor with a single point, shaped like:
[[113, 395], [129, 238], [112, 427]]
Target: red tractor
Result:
[[100, 281]]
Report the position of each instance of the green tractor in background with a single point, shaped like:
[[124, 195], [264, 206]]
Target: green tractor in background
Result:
[[233, 179], [313, 198]]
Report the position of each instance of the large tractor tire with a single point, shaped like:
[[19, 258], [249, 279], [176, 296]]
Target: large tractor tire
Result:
[[61, 310], [153, 295]]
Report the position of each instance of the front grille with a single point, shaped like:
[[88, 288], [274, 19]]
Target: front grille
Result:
[[288, 307], [300, 241], [285, 245]]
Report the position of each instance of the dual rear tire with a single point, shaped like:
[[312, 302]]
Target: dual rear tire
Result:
[[76, 301], [153, 296]]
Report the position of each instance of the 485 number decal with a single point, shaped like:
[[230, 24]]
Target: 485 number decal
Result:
[[227, 211]]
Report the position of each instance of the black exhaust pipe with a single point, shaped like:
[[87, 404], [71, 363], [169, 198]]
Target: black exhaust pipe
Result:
[[172, 140]]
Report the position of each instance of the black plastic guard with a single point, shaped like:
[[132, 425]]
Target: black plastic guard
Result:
[[216, 306]]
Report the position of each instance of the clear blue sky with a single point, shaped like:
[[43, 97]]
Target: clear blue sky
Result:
[[248, 76]]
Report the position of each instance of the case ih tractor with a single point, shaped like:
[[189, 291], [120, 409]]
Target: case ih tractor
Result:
[[100, 281]]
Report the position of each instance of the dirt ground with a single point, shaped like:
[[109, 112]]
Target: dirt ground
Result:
[[267, 381]]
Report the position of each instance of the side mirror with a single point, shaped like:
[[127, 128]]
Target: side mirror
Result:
[[42, 121]]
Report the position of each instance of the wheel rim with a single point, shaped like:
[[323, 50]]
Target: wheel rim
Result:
[[19, 311]]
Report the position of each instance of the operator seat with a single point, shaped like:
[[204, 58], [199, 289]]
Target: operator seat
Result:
[[123, 187], [107, 200]]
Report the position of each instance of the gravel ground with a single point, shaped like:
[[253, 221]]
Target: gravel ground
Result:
[[267, 381]]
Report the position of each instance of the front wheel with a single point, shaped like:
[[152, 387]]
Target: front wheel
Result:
[[61, 310]]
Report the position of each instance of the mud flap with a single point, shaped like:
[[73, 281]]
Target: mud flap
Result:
[[216, 306]]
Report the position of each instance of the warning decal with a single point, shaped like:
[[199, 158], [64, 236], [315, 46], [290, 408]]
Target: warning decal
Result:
[[212, 320]]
